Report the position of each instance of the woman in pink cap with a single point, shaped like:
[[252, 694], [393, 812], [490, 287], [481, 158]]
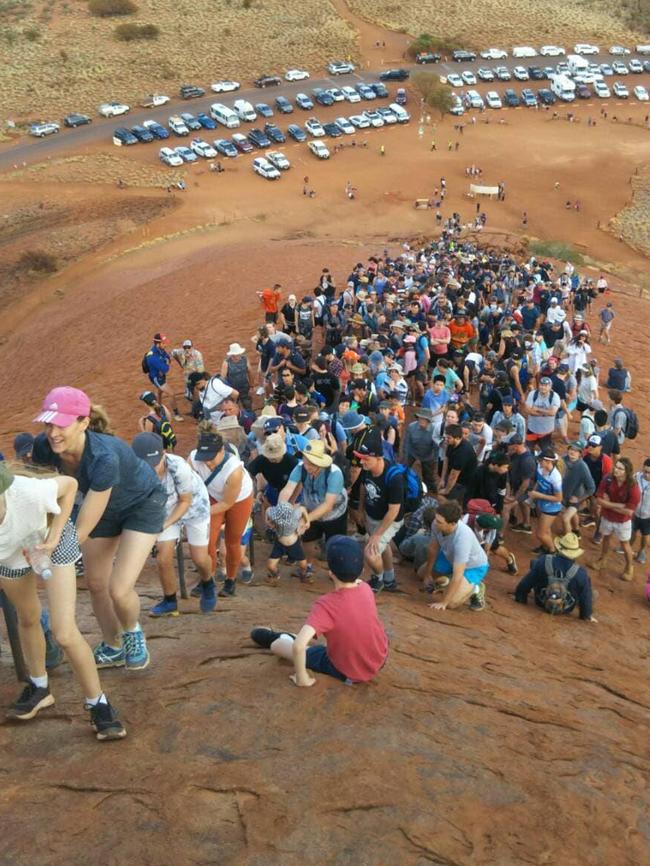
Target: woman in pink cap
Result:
[[121, 515]]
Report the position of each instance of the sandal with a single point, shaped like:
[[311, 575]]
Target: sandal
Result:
[[272, 579]]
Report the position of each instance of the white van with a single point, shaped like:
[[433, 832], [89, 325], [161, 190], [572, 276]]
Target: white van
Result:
[[524, 51], [224, 115], [577, 64], [563, 87], [400, 112], [244, 110], [642, 49]]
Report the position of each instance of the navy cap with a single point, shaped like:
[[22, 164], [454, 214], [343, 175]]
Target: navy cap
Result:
[[208, 447], [272, 425], [149, 447], [344, 558], [23, 444]]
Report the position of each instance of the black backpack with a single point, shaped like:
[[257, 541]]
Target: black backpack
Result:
[[555, 596], [632, 426], [164, 429], [145, 363]]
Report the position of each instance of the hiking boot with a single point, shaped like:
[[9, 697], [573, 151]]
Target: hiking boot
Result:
[[246, 576], [105, 722], [640, 557], [264, 637], [53, 652], [526, 528], [208, 596], [477, 598], [511, 564], [32, 700], [164, 608], [306, 576], [108, 657], [228, 588], [376, 584], [136, 654]]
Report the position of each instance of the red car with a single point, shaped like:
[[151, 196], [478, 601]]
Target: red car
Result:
[[242, 144]]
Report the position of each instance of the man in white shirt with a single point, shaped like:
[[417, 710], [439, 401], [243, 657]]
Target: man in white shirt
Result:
[[555, 313], [213, 396]]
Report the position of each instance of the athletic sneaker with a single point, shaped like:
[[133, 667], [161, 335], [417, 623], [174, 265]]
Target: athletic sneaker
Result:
[[523, 527], [32, 700], [228, 588], [597, 539], [195, 592], [640, 557], [511, 564], [589, 521], [246, 575], [107, 657], [104, 720], [136, 654], [208, 596], [376, 584], [393, 586], [164, 608], [264, 637], [477, 598], [306, 576]]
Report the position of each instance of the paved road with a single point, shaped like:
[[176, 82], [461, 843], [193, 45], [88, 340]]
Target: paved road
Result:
[[35, 150]]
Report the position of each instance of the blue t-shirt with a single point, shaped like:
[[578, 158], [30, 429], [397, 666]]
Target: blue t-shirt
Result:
[[316, 488], [435, 401]]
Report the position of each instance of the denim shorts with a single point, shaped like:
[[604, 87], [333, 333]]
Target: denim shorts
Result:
[[472, 575], [146, 516], [319, 661]]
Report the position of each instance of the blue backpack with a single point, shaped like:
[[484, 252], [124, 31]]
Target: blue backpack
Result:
[[413, 485]]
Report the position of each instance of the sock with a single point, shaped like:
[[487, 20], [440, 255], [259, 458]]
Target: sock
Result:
[[100, 699], [389, 575], [137, 627], [171, 597], [40, 682], [374, 576]]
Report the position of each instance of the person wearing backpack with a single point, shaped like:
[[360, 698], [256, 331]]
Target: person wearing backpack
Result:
[[157, 421], [382, 506], [420, 447], [236, 372], [623, 420], [558, 581], [156, 363], [618, 497]]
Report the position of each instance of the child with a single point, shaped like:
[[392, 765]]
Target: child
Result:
[[288, 522], [357, 646]]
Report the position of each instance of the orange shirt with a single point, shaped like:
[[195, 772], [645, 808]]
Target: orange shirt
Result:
[[270, 299], [461, 334]]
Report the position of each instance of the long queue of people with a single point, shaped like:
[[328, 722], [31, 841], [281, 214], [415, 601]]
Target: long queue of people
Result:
[[420, 407]]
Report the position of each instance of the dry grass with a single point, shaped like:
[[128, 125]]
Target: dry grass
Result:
[[102, 167], [633, 222], [501, 22], [76, 63]]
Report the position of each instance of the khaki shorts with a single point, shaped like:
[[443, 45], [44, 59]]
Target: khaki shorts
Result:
[[622, 531], [389, 534]]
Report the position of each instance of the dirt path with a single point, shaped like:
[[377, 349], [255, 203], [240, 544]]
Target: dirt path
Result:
[[378, 46]]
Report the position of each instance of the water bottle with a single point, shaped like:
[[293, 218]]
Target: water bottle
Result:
[[39, 559]]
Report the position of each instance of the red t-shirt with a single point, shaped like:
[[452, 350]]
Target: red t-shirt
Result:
[[461, 334], [270, 298], [623, 494], [356, 641], [440, 332]]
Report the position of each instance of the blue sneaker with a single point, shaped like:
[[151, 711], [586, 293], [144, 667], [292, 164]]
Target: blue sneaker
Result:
[[107, 657], [136, 654], [164, 608], [208, 596]]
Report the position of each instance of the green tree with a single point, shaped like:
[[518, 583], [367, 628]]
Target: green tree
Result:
[[435, 94]]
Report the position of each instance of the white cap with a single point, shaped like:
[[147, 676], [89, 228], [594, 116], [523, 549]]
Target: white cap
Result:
[[187, 344]]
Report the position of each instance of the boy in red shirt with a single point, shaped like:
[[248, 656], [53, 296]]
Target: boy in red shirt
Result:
[[617, 496], [270, 299], [357, 646]]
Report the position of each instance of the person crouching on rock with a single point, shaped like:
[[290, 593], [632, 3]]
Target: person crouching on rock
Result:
[[357, 645], [288, 521]]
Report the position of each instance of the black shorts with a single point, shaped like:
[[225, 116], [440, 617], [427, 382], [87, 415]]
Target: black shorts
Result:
[[328, 528], [271, 317], [293, 551], [641, 524], [147, 516]]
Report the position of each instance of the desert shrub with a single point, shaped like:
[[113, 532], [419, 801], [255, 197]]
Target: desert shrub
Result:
[[436, 95], [109, 8], [246, 4], [32, 34], [38, 260], [437, 44], [134, 32], [556, 250]]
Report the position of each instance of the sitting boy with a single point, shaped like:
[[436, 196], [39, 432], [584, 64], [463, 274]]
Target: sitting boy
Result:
[[288, 522], [357, 646]]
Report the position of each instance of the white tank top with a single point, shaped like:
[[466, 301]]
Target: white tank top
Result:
[[217, 484]]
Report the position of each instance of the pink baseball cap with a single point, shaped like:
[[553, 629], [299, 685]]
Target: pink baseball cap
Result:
[[63, 406]]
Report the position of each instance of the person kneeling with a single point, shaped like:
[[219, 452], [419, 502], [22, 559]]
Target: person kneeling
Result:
[[557, 580], [288, 522], [458, 559], [357, 645]]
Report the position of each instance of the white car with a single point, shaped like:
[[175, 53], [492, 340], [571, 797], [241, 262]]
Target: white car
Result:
[[41, 129], [350, 94], [551, 51], [585, 48], [641, 93], [359, 121], [474, 99], [620, 90], [587, 77], [493, 99], [635, 66], [376, 120], [336, 94], [169, 156], [520, 73], [340, 67], [177, 125], [602, 90], [387, 115], [454, 79], [202, 148], [263, 167], [468, 76], [225, 86], [494, 54], [314, 127], [457, 107], [154, 100], [619, 50], [344, 125], [112, 109], [620, 68], [296, 75], [319, 149], [278, 159]]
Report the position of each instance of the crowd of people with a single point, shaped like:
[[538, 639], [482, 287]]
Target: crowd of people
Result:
[[437, 405]]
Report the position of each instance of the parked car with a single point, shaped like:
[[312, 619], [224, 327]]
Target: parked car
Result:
[[468, 77], [585, 48], [40, 130], [387, 115], [365, 91], [494, 54], [122, 135], [296, 132], [582, 91], [336, 93], [169, 156], [203, 148], [606, 69], [322, 97], [520, 73], [304, 102], [225, 86], [274, 133], [190, 121], [620, 90], [502, 73], [278, 159], [332, 129], [206, 121], [620, 68], [635, 66], [427, 57], [641, 93], [485, 74], [296, 75], [376, 120], [319, 149], [177, 125], [242, 144], [340, 67], [225, 148], [74, 120], [112, 109], [154, 100], [314, 127], [474, 99], [602, 90], [142, 133], [536, 73], [359, 121], [265, 169], [191, 91], [259, 138], [283, 105], [454, 79], [457, 107], [394, 75], [619, 50], [510, 98], [381, 91], [546, 96], [185, 153], [263, 109], [493, 100], [350, 94], [400, 96], [267, 81], [345, 126], [528, 98], [551, 51], [156, 129], [461, 55]]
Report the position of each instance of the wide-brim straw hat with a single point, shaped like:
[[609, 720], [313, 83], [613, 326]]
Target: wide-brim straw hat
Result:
[[314, 451], [568, 545]]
